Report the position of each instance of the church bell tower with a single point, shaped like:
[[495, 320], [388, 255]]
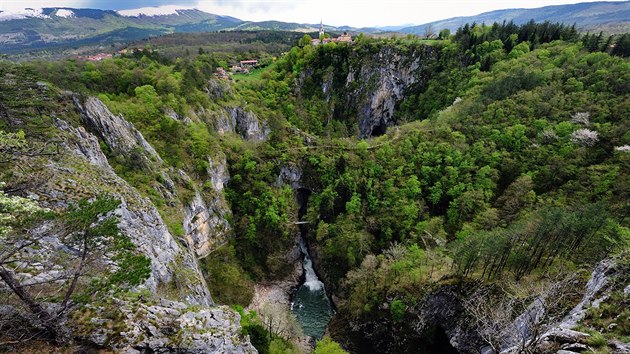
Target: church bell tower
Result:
[[321, 29]]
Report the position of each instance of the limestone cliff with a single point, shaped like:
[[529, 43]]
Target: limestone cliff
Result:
[[366, 88], [172, 309], [243, 122], [203, 216], [120, 135], [206, 221]]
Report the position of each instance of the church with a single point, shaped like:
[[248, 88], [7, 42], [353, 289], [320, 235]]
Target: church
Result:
[[344, 38]]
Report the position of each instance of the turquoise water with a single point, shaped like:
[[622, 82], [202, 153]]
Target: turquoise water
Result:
[[310, 303]]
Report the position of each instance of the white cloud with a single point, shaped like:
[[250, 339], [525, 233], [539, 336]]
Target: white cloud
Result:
[[357, 13], [362, 13]]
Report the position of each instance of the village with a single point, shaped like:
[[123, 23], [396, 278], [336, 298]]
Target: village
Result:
[[324, 39], [103, 56], [245, 66], [241, 67]]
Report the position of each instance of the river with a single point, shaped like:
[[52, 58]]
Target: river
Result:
[[310, 304]]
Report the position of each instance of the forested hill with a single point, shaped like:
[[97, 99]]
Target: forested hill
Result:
[[462, 194], [608, 16], [63, 28]]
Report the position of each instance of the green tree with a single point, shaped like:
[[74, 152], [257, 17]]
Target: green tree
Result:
[[305, 40], [397, 307], [327, 346]]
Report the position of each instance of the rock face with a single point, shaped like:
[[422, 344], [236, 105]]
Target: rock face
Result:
[[130, 317], [205, 220], [290, 175], [85, 144], [174, 327], [594, 293], [436, 324], [120, 135], [147, 230], [170, 326], [597, 290], [242, 122], [394, 73], [373, 85], [206, 225], [141, 222]]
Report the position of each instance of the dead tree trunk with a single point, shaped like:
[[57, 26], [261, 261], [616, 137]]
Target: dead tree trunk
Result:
[[48, 321]]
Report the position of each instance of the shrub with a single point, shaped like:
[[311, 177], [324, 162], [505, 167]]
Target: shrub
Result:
[[397, 308]]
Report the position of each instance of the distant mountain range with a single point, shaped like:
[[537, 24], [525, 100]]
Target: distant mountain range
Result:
[[52, 28], [608, 16]]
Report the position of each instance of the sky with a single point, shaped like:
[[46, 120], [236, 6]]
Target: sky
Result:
[[356, 13]]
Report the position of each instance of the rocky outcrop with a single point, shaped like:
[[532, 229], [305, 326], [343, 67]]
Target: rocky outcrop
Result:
[[562, 334], [290, 175], [245, 123], [185, 320], [217, 89], [205, 219], [170, 326], [119, 134], [146, 229], [225, 123], [83, 143], [594, 293], [206, 225], [218, 172], [141, 222]]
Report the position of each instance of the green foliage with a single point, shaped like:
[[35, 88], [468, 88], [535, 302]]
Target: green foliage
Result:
[[263, 340], [492, 183], [227, 281], [262, 214], [397, 307], [581, 235], [11, 144], [134, 269], [258, 336], [279, 345], [596, 340], [327, 346], [82, 215], [304, 41], [16, 211]]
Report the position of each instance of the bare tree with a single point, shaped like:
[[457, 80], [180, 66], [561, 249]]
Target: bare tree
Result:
[[14, 146], [515, 314], [43, 279], [429, 32], [280, 322]]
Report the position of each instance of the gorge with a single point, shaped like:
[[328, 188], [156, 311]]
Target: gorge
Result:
[[392, 195]]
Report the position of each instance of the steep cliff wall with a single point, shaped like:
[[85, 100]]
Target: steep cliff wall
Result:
[[172, 309], [242, 122], [204, 217], [365, 87]]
